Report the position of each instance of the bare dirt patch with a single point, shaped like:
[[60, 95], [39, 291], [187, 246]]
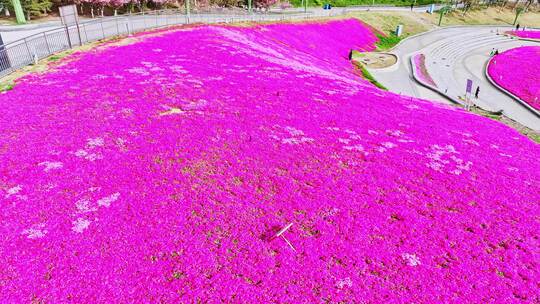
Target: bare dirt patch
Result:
[[376, 60]]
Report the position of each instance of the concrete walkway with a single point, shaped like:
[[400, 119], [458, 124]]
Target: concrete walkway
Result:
[[454, 55]]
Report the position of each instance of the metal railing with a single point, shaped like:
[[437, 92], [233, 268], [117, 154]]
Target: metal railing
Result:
[[30, 50]]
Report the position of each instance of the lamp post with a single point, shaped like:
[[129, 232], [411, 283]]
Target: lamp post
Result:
[[187, 10], [519, 10], [443, 11], [19, 14]]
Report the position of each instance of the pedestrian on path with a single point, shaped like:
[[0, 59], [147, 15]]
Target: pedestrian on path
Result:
[[517, 27], [492, 52], [350, 55], [496, 52], [477, 92], [412, 6]]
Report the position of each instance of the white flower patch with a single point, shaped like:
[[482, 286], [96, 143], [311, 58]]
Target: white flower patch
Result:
[[401, 140], [83, 205], [372, 132], [71, 71], [180, 69], [513, 169], [505, 155], [49, 186], [388, 145], [51, 165], [93, 156], [396, 133], [94, 142], [412, 107], [195, 105], [88, 156], [294, 132], [471, 141], [218, 78], [157, 50], [357, 147], [298, 137], [35, 232], [126, 111], [345, 141], [99, 77], [140, 71], [461, 164], [81, 153], [332, 128], [296, 141], [13, 190], [106, 201], [411, 259], [435, 166], [445, 156], [80, 225], [91, 143], [347, 282]]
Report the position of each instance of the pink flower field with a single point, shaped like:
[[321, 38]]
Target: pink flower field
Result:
[[159, 170], [534, 34], [419, 61], [516, 70]]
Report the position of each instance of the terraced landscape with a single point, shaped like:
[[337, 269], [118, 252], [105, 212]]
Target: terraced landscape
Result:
[[161, 167]]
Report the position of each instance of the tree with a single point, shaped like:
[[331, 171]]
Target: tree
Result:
[[160, 3], [30, 7], [264, 4], [116, 4]]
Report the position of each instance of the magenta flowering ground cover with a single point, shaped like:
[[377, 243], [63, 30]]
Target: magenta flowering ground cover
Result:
[[516, 70], [419, 62], [160, 171], [530, 34]]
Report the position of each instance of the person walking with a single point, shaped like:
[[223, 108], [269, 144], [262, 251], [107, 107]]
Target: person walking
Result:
[[412, 6], [517, 27], [477, 92], [350, 55]]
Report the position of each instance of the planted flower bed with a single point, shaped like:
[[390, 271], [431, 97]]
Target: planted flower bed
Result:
[[516, 70], [420, 71], [530, 34], [162, 171]]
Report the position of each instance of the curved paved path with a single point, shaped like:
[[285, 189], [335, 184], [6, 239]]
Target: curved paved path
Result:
[[453, 55]]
